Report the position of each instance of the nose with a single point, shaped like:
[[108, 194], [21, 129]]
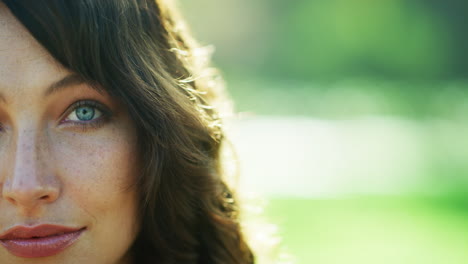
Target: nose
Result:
[[30, 182]]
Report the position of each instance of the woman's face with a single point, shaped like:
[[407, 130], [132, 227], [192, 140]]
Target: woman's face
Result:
[[67, 160]]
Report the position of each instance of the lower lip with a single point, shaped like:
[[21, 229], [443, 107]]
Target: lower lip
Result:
[[41, 247]]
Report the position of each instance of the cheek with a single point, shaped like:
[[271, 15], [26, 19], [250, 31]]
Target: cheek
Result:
[[96, 169]]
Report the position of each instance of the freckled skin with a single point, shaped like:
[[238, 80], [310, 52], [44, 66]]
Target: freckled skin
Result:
[[57, 173]]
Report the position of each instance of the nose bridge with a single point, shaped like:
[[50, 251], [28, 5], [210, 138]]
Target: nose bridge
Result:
[[27, 164], [28, 182]]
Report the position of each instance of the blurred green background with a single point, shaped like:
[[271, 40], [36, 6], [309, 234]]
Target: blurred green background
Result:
[[352, 126]]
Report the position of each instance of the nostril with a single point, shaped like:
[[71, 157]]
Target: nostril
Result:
[[11, 200], [29, 197]]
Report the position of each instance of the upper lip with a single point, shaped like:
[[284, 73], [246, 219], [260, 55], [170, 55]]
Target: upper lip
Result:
[[45, 230]]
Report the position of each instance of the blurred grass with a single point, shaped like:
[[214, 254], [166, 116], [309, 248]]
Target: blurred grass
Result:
[[376, 229]]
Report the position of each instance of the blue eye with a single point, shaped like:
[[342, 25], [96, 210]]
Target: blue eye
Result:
[[86, 115], [85, 112]]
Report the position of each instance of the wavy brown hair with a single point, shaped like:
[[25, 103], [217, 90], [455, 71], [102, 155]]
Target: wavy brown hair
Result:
[[141, 54]]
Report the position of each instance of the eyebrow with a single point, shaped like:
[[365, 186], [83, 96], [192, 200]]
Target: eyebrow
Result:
[[65, 82]]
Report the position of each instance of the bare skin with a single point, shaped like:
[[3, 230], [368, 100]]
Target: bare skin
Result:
[[61, 162]]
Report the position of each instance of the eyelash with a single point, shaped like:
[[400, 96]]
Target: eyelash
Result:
[[92, 124]]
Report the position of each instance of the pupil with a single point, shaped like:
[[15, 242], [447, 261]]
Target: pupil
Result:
[[85, 113]]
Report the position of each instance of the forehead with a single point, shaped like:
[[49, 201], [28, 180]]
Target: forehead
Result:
[[22, 59]]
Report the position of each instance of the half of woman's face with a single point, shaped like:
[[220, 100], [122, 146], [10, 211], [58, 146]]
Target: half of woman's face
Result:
[[67, 160]]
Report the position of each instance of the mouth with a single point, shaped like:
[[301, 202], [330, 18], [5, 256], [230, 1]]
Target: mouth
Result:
[[39, 241]]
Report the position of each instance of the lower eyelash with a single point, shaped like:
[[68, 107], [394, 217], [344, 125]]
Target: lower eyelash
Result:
[[95, 124]]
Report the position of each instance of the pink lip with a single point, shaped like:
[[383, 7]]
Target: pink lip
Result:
[[39, 241]]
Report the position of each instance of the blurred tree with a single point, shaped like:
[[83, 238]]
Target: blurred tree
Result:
[[455, 14], [335, 39], [338, 38]]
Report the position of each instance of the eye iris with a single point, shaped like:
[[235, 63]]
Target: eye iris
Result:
[[84, 113]]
